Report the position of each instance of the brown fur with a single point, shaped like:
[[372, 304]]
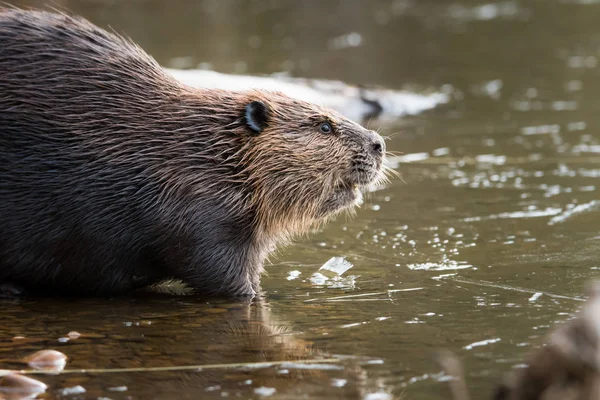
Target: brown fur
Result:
[[113, 175]]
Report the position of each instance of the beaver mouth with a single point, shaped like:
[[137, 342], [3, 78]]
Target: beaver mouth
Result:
[[343, 195], [349, 192], [346, 195]]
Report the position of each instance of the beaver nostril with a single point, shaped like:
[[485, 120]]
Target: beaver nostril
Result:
[[378, 147]]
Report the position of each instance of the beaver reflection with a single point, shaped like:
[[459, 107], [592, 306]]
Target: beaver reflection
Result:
[[158, 330], [253, 336]]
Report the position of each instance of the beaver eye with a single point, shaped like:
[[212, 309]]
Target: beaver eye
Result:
[[325, 127]]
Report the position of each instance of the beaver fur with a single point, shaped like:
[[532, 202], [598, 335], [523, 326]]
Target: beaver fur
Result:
[[114, 176]]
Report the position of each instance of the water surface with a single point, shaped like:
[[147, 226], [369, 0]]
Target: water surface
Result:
[[484, 243]]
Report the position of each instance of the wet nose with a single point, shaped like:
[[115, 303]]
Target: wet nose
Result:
[[377, 144]]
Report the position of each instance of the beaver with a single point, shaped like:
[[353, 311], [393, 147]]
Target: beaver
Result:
[[115, 176]]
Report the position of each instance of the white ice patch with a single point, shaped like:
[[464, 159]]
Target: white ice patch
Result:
[[330, 274], [293, 275], [337, 265]]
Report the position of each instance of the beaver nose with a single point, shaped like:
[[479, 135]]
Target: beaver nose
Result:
[[377, 145]]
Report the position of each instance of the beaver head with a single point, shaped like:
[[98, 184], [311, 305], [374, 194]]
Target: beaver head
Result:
[[306, 163]]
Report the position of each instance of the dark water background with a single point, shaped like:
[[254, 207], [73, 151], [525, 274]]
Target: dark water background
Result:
[[498, 204]]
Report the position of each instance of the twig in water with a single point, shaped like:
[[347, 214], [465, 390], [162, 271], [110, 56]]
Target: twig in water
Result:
[[178, 368]]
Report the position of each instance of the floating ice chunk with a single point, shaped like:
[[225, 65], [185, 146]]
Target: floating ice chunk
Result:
[[293, 275], [331, 272], [337, 265], [318, 279]]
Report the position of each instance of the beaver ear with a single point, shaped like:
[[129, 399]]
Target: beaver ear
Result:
[[257, 115]]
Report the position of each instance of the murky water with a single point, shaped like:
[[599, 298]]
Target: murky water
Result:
[[484, 243]]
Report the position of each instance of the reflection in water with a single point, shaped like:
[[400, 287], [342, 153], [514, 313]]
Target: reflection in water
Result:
[[503, 180], [244, 350]]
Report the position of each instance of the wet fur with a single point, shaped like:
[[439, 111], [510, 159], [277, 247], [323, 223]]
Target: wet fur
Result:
[[115, 176]]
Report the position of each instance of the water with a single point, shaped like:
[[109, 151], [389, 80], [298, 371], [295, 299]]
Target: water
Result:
[[484, 243]]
